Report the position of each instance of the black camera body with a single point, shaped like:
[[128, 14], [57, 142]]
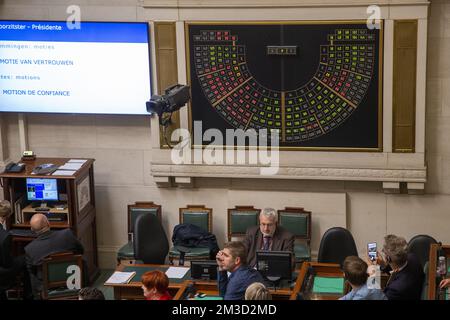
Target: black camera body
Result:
[[174, 98]]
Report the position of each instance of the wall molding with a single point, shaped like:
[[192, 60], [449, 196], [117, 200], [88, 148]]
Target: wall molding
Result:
[[272, 4], [306, 173]]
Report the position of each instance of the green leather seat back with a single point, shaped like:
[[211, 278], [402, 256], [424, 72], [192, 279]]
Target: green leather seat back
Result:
[[57, 271], [240, 221], [57, 276], [296, 223], [198, 218], [136, 212], [127, 251]]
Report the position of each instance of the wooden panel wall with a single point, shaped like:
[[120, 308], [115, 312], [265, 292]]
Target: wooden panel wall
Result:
[[404, 85], [166, 65]]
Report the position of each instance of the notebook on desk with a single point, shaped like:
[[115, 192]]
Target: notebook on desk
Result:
[[120, 277], [45, 168]]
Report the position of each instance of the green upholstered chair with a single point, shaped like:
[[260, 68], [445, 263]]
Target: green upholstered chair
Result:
[[126, 252], [240, 218], [201, 217], [298, 222], [55, 274]]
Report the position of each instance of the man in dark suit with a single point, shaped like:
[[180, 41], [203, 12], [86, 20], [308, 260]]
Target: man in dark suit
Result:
[[10, 267], [406, 274], [267, 236], [234, 275], [47, 242]]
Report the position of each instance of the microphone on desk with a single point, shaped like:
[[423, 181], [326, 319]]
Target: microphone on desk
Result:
[[183, 251], [181, 261]]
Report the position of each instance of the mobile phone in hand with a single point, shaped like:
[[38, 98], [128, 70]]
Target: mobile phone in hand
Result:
[[372, 250]]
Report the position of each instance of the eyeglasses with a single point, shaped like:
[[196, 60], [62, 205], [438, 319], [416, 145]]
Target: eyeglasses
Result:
[[267, 224]]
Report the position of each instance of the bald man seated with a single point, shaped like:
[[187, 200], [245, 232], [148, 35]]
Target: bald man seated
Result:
[[47, 242]]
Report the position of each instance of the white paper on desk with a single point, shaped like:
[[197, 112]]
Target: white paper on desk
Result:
[[63, 172], [76, 161], [120, 277], [176, 272], [71, 166]]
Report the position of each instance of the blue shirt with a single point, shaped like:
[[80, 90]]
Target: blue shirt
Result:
[[233, 287], [364, 293]]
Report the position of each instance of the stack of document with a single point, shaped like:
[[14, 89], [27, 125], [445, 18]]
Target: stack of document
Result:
[[70, 167]]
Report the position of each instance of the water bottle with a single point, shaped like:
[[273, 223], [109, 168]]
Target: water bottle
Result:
[[442, 266]]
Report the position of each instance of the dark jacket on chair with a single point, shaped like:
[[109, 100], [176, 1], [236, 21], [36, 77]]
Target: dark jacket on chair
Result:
[[405, 284], [282, 240], [191, 236], [45, 244]]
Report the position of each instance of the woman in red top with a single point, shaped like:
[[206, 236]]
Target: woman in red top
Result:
[[154, 285]]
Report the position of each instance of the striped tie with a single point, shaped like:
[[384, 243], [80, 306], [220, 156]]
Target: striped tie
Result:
[[266, 243]]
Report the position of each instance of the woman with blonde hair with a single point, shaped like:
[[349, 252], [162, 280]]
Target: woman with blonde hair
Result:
[[257, 291]]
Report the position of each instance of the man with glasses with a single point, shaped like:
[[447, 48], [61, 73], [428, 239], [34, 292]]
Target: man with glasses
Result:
[[267, 236]]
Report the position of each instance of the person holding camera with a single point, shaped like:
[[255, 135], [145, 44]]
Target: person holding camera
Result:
[[406, 274]]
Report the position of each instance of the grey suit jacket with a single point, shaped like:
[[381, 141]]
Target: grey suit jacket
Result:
[[282, 240]]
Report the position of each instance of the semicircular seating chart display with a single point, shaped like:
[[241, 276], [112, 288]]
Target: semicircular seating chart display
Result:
[[318, 85]]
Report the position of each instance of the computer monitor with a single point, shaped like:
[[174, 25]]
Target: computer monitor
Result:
[[39, 189], [274, 265], [204, 269]]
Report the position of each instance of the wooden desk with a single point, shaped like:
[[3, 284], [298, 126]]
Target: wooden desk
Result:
[[210, 288], [177, 287], [76, 191], [133, 289], [207, 287], [433, 277], [305, 279]]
